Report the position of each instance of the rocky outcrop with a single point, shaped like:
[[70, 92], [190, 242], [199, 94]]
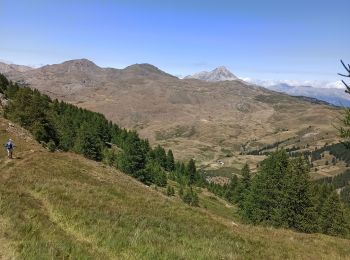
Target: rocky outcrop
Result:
[[3, 101]]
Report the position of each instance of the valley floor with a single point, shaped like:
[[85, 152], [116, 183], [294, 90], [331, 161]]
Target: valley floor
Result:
[[60, 205]]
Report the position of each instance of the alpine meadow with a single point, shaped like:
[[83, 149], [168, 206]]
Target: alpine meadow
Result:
[[189, 160]]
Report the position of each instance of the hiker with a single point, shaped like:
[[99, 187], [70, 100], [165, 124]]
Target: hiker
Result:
[[9, 146]]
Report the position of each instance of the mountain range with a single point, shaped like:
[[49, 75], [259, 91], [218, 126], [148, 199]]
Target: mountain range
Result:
[[334, 96], [196, 118]]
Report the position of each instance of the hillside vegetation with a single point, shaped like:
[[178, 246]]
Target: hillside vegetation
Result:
[[61, 205], [191, 117], [280, 194]]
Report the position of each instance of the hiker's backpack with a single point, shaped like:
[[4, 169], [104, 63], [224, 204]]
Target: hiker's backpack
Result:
[[9, 145]]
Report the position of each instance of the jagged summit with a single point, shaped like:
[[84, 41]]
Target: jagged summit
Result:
[[219, 74]]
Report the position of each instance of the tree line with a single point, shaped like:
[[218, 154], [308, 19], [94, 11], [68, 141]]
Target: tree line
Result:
[[62, 126], [281, 194]]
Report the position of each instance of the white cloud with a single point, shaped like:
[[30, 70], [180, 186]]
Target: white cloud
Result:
[[297, 83], [6, 61]]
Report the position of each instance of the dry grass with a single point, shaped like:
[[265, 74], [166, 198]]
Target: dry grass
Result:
[[61, 205]]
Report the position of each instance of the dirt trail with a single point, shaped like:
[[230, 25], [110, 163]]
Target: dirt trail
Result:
[[70, 231]]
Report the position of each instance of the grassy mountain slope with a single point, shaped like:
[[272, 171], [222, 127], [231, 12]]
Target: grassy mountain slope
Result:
[[60, 205]]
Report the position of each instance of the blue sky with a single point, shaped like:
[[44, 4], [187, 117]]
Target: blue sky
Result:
[[294, 40]]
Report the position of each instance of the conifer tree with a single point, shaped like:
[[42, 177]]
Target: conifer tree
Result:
[[243, 185], [263, 203], [87, 143], [182, 169], [332, 216], [153, 173], [320, 193], [170, 162], [192, 172], [133, 158], [345, 195], [298, 209], [246, 177], [159, 155]]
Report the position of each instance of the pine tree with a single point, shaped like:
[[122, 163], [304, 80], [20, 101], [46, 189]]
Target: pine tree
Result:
[[263, 203], [153, 173], [320, 193], [133, 158], [182, 169], [192, 172], [243, 185], [332, 216], [88, 144], [298, 209], [159, 155], [170, 162], [345, 195], [180, 173], [246, 177]]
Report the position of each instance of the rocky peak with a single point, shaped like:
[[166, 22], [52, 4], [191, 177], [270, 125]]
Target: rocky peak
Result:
[[80, 65], [219, 74]]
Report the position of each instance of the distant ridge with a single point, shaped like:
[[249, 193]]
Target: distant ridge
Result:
[[330, 96], [218, 74], [75, 75], [316, 101], [8, 68], [190, 116]]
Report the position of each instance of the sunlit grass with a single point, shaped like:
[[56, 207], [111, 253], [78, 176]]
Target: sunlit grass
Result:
[[60, 205]]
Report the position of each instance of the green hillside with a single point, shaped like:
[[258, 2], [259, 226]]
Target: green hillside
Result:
[[61, 205]]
